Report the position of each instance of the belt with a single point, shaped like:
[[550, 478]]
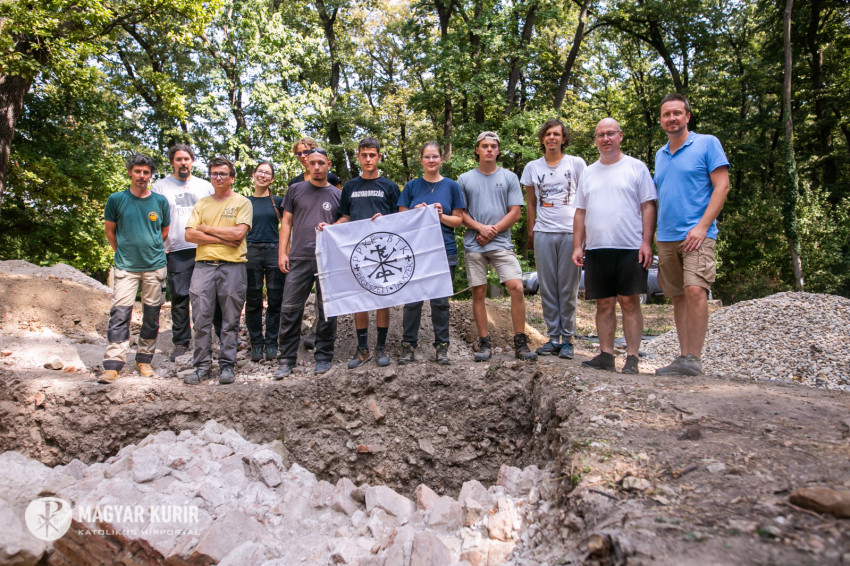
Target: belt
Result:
[[263, 244], [217, 262]]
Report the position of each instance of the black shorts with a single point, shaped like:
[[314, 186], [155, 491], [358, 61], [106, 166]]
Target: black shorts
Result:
[[611, 272]]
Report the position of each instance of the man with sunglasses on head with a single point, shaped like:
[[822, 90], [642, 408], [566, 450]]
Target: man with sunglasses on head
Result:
[[218, 225], [306, 205], [301, 149]]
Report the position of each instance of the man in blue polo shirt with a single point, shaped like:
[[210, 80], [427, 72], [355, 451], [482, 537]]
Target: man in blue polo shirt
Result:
[[692, 177]]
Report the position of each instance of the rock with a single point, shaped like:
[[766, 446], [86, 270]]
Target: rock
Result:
[[17, 545], [426, 446], [692, 432], [341, 499], [503, 521], [246, 553], [446, 513], [54, 363], [145, 464], [822, 500], [385, 498], [425, 497], [475, 490], [321, 494], [716, 468], [264, 465], [473, 512], [226, 533], [509, 478], [632, 483], [429, 550]]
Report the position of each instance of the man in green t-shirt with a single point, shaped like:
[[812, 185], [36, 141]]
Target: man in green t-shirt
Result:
[[136, 223]]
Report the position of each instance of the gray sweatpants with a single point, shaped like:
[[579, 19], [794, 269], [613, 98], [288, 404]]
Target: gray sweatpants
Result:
[[559, 278], [225, 284]]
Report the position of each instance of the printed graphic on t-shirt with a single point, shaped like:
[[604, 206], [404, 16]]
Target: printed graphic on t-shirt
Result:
[[555, 190]]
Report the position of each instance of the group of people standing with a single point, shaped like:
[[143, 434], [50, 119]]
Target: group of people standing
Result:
[[218, 250]]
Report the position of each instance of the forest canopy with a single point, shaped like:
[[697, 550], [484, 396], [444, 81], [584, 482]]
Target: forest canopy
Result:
[[85, 83]]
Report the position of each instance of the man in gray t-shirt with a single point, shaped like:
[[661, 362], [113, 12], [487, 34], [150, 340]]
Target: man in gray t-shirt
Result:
[[494, 201]]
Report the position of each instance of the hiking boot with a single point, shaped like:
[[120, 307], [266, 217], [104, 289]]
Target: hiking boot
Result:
[[443, 354], [521, 350], [107, 376], [381, 357], [256, 353], [309, 341], [196, 377], [631, 365], [285, 370], [549, 349], [566, 352], [145, 369], [361, 356], [603, 361], [406, 356], [484, 352], [323, 366], [691, 365], [226, 375], [271, 351], [674, 368], [179, 350]]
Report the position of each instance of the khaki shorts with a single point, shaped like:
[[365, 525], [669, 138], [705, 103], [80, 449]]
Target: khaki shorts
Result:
[[503, 261], [678, 269]]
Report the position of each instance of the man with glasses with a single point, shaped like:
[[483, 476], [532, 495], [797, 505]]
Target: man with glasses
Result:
[[305, 206], [692, 176], [615, 221], [182, 190], [218, 225], [550, 187]]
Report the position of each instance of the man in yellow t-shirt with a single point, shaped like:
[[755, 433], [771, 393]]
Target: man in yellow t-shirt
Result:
[[218, 225]]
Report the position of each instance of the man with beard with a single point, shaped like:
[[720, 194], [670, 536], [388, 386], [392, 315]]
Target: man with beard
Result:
[[182, 190]]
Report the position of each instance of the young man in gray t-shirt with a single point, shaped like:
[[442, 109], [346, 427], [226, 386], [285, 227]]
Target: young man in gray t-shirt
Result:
[[493, 205]]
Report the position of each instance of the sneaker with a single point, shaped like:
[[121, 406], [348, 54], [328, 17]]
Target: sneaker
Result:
[[521, 350], [603, 361], [443, 354], [691, 365], [381, 357], [271, 351], [226, 376], [674, 368], [256, 353], [322, 366], [549, 349], [361, 356], [107, 376], [309, 341], [145, 369], [484, 352], [196, 377], [566, 352], [631, 365], [178, 351], [285, 370], [407, 350]]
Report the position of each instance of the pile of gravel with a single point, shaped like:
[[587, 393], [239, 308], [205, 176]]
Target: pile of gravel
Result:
[[59, 271], [800, 337]]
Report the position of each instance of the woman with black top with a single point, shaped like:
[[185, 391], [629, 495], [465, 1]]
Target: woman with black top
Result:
[[262, 265]]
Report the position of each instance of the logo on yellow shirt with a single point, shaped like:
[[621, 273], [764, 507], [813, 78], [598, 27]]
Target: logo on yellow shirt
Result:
[[153, 216]]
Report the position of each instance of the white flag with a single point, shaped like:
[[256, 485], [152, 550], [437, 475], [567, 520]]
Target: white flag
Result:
[[373, 264]]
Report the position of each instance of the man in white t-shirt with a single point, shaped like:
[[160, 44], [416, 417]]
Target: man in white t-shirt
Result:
[[615, 221], [550, 187], [182, 190]]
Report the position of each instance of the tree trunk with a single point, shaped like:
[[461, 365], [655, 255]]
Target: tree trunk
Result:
[[564, 81], [13, 89], [789, 205], [334, 133], [515, 67]]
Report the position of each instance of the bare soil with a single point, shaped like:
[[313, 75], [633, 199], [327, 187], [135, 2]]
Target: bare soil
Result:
[[719, 456]]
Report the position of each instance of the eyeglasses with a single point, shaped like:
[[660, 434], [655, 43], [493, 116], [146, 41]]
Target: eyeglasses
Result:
[[219, 175], [318, 150], [603, 135], [303, 153], [263, 174]]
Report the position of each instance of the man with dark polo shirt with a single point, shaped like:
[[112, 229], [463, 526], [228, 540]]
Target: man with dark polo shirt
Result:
[[305, 206], [368, 196], [218, 226], [692, 178], [615, 220]]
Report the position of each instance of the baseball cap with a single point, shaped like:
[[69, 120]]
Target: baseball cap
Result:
[[486, 135]]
